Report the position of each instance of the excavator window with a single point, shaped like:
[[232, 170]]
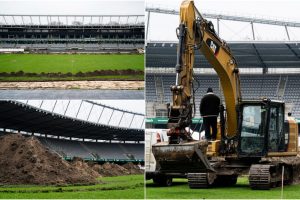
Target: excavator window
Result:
[[253, 129], [276, 135]]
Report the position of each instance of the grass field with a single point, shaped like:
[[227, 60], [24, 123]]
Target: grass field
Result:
[[125, 187], [180, 190], [73, 63]]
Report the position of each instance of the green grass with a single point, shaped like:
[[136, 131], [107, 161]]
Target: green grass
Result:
[[73, 63], [180, 190], [125, 187]]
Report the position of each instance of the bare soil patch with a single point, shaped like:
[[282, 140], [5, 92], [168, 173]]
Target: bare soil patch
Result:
[[109, 85]]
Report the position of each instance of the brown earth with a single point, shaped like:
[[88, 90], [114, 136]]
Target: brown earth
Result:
[[69, 74], [80, 164], [132, 168], [110, 85], [24, 160], [112, 169]]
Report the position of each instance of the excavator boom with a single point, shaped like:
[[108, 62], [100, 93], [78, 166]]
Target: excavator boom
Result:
[[194, 32]]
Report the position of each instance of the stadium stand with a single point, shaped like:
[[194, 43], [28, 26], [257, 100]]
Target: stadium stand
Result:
[[95, 150], [253, 86], [260, 56], [61, 33], [248, 55]]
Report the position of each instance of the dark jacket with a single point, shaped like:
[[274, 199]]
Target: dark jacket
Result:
[[209, 105]]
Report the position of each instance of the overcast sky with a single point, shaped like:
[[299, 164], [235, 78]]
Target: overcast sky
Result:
[[162, 26], [72, 7]]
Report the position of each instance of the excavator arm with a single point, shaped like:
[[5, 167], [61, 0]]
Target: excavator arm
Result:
[[195, 32], [181, 110]]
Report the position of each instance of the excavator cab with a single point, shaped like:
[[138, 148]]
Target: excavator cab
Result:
[[261, 128]]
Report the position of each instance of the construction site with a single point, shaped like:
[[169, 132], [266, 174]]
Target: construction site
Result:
[[67, 143], [72, 99], [255, 76], [91, 51]]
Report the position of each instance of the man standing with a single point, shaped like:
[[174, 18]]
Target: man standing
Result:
[[209, 110]]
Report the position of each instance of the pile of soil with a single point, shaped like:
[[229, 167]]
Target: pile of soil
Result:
[[112, 169], [132, 168], [80, 164], [24, 160]]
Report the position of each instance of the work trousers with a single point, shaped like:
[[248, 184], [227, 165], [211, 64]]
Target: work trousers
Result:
[[210, 123]]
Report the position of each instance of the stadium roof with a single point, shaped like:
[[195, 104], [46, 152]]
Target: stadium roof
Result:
[[247, 54], [230, 17], [23, 117], [162, 21]]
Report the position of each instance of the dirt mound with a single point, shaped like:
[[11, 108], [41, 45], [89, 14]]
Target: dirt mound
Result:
[[80, 164], [24, 160], [132, 168], [112, 169]]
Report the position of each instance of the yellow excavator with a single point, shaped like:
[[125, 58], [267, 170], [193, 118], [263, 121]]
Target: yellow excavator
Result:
[[254, 136]]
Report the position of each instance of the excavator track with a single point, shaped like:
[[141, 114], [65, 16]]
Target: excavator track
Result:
[[200, 180], [266, 176], [260, 177]]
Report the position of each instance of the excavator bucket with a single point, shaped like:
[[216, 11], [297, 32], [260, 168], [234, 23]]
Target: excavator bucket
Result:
[[187, 157]]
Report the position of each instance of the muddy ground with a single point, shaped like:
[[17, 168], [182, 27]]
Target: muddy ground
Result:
[[109, 85], [24, 160]]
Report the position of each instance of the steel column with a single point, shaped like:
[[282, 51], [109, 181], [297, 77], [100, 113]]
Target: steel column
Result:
[[121, 119], [79, 108], [110, 117], [148, 19], [54, 106], [100, 114], [131, 121], [90, 112], [142, 123], [287, 32], [253, 35], [67, 107], [4, 20], [218, 26], [41, 104]]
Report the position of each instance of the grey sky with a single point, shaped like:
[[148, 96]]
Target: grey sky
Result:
[[72, 7], [162, 27]]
